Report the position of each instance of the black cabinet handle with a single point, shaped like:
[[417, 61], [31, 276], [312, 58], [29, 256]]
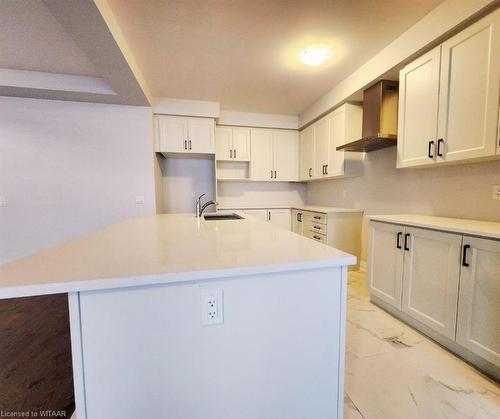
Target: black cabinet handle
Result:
[[234, 153], [323, 169], [275, 174], [300, 217], [440, 141], [317, 228], [271, 174], [326, 169], [190, 144], [398, 240], [269, 215], [406, 241], [310, 170], [230, 153], [431, 144], [185, 145], [316, 237], [464, 255], [317, 217]]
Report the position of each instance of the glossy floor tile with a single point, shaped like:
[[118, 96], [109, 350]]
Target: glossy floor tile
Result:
[[394, 372]]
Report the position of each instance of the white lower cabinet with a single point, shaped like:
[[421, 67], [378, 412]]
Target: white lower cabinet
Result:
[[446, 281], [297, 221], [430, 280], [385, 277], [478, 327], [280, 217]]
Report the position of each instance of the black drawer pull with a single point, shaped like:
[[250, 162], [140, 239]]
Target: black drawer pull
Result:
[[398, 240], [431, 144], [464, 255], [316, 237], [317, 228], [407, 235], [440, 141]]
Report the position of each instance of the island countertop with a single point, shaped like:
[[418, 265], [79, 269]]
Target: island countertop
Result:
[[157, 249]]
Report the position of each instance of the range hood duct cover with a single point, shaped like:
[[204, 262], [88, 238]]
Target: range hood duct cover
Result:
[[380, 118]]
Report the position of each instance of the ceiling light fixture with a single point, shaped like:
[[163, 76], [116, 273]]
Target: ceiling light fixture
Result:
[[315, 55]]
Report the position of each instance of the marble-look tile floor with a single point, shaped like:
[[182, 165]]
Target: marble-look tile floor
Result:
[[394, 372]]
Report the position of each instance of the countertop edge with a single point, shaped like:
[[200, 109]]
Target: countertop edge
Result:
[[102, 284]]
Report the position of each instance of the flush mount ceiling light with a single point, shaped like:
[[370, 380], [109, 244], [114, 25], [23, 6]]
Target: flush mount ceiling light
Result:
[[315, 55]]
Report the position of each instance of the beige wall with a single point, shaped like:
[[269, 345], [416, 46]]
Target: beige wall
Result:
[[463, 191]]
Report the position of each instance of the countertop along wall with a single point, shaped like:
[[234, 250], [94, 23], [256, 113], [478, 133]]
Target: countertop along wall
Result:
[[68, 168], [462, 191]]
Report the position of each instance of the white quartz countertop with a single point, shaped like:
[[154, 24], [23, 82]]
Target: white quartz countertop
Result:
[[157, 249], [458, 225], [312, 208]]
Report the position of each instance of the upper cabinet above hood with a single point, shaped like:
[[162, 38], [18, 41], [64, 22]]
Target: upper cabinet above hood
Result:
[[380, 118]]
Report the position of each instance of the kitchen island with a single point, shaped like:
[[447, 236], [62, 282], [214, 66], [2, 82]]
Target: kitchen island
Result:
[[178, 317]]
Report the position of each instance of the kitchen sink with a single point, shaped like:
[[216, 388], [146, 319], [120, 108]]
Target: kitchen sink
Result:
[[232, 216]]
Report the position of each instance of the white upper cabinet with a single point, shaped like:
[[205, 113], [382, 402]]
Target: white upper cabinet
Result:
[[321, 146], [319, 157], [306, 153], [262, 159], [274, 155], [478, 327], [469, 91], [418, 110], [431, 275], [286, 155], [176, 134], [232, 143], [449, 97]]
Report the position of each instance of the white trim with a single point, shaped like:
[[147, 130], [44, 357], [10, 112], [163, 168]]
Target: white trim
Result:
[[258, 120], [172, 106], [54, 82]]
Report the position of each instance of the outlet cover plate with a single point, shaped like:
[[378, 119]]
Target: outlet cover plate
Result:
[[212, 307]]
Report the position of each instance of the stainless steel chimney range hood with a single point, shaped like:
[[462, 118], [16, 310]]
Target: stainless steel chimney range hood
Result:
[[380, 118]]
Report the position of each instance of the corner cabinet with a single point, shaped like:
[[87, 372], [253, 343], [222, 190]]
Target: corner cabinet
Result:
[[274, 155], [319, 158], [176, 134], [449, 99], [446, 284]]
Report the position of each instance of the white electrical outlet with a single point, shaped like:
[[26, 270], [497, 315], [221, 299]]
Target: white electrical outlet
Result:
[[3, 201], [139, 199], [496, 192], [212, 307]]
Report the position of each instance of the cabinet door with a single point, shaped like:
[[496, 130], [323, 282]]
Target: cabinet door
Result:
[[281, 218], [241, 144], [223, 143], [478, 326], [337, 138], [172, 134], [306, 153], [431, 275], [386, 262], [261, 214], [418, 110], [469, 91], [286, 155], [201, 135], [297, 221], [321, 145], [261, 151]]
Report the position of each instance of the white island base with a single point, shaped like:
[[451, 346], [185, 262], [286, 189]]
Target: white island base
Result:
[[279, 352], [139, 292]]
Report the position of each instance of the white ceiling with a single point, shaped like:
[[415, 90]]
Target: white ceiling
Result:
[[32, 39], [242, 53]]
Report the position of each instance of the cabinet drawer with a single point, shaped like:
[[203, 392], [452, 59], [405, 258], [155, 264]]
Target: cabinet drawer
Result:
[[317, 228], [316, 217], [316, 236]]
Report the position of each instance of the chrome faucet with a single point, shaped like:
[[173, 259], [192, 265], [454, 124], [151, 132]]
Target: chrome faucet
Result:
[[200, 208]]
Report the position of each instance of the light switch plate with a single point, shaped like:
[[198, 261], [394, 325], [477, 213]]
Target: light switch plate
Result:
[[496, 192], [139, 199]]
